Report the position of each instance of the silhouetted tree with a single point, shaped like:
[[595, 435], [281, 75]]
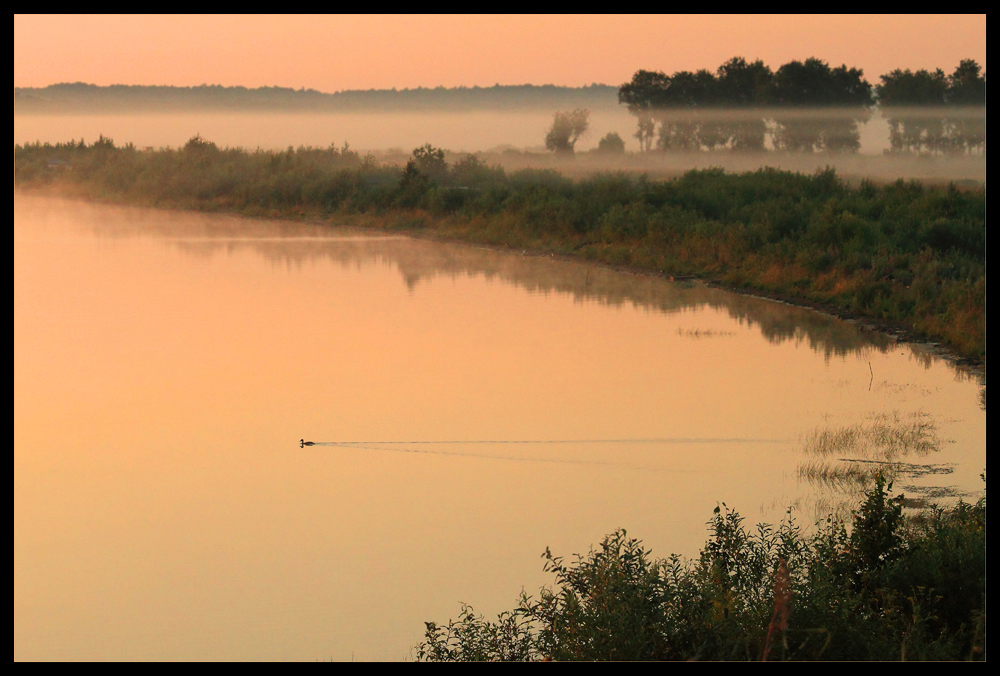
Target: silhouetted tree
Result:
[[967, 100], [197, 146], [430, 162], [645, 132], [567, 128], [644, 97], [413, 185], [684, 105], [913, 104], [745, 87], [837, 100], [966, 87], [611, 144], [681, 124]]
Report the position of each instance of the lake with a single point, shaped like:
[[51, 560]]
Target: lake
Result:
[[471, 407]]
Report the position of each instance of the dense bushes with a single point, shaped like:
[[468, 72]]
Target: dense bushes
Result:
[[900, 252], [887, 588]]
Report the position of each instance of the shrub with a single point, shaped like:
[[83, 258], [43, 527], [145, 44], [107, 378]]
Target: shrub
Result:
[[881, 589], [611, 144]]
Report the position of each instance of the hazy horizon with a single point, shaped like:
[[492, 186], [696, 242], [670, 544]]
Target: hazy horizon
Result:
[[337, 53]]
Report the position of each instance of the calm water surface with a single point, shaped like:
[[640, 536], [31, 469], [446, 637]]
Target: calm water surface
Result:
[[167, 364]]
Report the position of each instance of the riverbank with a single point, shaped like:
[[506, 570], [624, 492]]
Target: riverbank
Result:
[[896, 330], [901, 257]]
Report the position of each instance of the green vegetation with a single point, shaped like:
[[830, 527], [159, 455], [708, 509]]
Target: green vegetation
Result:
[[887, 588], [902, 253]]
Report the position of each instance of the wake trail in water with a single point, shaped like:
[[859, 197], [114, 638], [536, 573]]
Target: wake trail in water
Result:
[[398, 447], [664, 440]]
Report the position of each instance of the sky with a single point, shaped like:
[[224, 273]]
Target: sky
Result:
[[336, 52]]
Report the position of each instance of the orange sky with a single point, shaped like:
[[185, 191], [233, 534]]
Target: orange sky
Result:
[[331, 53]]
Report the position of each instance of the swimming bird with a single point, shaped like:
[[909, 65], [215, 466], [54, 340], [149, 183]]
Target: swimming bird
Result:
[[303, 443]]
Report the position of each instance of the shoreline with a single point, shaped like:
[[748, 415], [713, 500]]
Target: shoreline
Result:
[[897, 331]]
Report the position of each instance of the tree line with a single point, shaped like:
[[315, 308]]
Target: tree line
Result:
[[806, 106], [83, 97]]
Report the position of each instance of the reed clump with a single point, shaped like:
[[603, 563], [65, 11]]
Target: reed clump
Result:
[[848, 459], [867, 448]]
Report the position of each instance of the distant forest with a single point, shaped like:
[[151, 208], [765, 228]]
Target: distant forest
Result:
[[82, 97]]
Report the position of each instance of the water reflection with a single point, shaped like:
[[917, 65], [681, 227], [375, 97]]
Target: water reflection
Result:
[[293, 245]]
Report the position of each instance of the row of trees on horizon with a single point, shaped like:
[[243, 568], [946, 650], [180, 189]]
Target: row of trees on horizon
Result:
[[675, 112], [81, 96], [803, 106]]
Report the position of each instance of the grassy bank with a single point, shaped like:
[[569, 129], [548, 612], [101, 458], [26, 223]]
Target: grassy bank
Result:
[[886, 588], [902, 254]]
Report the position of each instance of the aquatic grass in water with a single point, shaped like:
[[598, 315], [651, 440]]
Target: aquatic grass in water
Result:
[[859, 473], [885, 436], [846, 478], [869, 449]]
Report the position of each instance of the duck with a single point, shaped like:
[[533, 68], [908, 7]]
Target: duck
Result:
[[303, 443]]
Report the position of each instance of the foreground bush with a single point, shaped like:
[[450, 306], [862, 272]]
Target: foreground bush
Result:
[[887, 588]]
